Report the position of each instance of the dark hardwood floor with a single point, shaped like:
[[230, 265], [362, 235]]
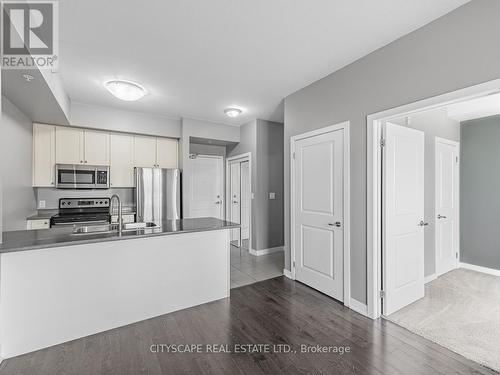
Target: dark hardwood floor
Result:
[[277, 311]]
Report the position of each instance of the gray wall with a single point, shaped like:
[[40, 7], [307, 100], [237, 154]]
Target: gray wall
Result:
[[270, 220], [480, 192], [15, 163], [453, 52], [264, 140], [434, 123]]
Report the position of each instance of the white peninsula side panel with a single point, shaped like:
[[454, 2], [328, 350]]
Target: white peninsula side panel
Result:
[[50, 296]]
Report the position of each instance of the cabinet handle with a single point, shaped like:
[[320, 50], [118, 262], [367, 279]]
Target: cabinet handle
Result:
[[81, 161]]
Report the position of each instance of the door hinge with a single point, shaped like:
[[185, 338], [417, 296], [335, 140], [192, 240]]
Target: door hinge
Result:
[[293, 155], [456, 159], [382, 294], [456, 255], [382, 142]]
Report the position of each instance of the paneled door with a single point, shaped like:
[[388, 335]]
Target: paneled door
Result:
[[206, 187], [245, 199], [403, 186], [447, 201], [318, 183]]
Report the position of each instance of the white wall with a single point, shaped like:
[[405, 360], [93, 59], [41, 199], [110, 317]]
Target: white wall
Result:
[[18, 200], [107, 118]]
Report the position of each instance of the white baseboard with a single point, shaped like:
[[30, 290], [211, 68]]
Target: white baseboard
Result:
[[430, 278], [288, 274], [266, 251], [359, 307], [473, 267]]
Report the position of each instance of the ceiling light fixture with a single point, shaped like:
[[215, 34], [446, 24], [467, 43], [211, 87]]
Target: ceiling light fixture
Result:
[[233, 112], [28, 77], [125, 90]]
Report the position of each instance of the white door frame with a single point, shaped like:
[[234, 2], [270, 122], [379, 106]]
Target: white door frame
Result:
[[457, 203], [223, 195], [374, 177], [346, 201], [240, 158]]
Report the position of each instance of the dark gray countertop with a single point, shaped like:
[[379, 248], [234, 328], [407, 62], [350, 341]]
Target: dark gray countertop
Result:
[[57, 237]]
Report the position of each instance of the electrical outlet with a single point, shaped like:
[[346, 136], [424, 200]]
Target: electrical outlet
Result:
[[41, 204], [272, 195]]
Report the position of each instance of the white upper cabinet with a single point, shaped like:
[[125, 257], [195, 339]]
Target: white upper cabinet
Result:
[[75, 146], [44, 155], [145, 151], [54, 144], [167, 152], [96, 148], [122, 160], [69, 145]]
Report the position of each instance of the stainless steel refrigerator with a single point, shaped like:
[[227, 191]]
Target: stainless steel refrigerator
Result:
[[157, 194]]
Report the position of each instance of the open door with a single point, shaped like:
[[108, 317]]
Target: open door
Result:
[[404, 224]]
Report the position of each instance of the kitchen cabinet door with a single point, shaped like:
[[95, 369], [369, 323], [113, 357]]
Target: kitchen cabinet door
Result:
[[69, 145], [96, 148], [44, 155], [145, 151], [167, 152], [122, 160]]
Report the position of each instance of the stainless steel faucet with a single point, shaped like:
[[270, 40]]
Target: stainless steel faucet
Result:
[[120, 212]]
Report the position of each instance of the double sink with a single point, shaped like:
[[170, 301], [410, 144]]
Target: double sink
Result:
[[113, 228]]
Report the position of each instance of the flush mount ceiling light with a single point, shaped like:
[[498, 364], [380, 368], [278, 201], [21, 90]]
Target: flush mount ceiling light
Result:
[[28, 77], [232, 112], [125, 90]]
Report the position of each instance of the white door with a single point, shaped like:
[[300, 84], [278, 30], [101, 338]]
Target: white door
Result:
[[447, 200], [96, 148], [403, 251], [206, 187], [245, 200], [145, 151], [167, 152], [235, 196], [44, 155], [319, 213], [122, 160], [69, 145]]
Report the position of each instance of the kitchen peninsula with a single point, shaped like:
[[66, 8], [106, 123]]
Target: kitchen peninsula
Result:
[[79, 285]]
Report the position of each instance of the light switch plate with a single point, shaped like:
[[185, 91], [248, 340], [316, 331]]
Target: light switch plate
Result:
[[41, 204], [272, 195]]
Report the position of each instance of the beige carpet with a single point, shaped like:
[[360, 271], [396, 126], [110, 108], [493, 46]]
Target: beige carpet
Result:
[[460, 311]]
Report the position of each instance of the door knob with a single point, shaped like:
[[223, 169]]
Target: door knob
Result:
[[336, 224], [422, 223], [218, 202], [441, 217], [235, 202]]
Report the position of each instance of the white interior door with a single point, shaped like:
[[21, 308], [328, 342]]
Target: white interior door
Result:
[[246, 196], [235, 196], [403, 250], [447, 201], [206, 187], [319, 213]]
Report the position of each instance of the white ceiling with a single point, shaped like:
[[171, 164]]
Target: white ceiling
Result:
[[197, 57]]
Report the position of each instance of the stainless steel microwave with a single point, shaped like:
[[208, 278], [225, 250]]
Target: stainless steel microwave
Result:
[[69, 176]]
